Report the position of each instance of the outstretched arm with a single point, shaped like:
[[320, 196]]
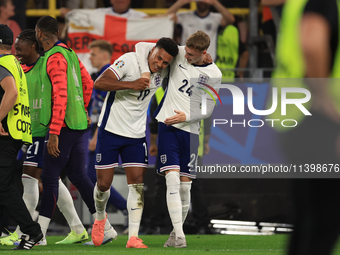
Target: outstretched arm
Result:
[[227, 17], [175, 7]]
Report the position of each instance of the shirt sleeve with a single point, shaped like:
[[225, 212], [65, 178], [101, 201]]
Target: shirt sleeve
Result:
[[142, 52], [87, 84], [121, 66], [57, 71], [4, 73]]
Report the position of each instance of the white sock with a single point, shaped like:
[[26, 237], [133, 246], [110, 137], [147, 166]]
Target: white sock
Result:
[[31, 192], [135, 205], [66, 207], [100, 201], [184, 192], [44, 222], [173, 200]]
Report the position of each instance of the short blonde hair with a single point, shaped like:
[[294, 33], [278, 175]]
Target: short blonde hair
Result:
[[103, 45], [198, 41]]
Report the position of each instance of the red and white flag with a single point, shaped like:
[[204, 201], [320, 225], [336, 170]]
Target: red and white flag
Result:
[[86, 26]]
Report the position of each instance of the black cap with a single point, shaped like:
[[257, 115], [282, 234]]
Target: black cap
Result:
[[6, 35]]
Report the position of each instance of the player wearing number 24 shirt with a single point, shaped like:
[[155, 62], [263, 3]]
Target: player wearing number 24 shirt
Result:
[[121, 131], [179, 115]]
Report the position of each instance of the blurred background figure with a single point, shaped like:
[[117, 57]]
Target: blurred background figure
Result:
[[6, 12], [201, 19], [86, 4], [231, 53], [308, 48], [119, 8]]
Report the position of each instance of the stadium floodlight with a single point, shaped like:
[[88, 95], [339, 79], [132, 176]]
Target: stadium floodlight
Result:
[[234, 222], [227, 232], [245, 228], [268, 224], [284, 229]]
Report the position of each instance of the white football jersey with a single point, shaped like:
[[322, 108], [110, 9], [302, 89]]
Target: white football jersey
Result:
[[191, 22], [183, 93], [124, 111]]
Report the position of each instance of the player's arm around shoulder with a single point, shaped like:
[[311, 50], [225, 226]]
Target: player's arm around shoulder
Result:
[[111, 79], [175, 7], [108, 81]]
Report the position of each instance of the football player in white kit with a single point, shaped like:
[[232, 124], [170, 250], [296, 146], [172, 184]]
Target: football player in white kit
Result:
[[121, 131], [179, 115]]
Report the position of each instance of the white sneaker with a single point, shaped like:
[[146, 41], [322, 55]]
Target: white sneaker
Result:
[[109, 235]]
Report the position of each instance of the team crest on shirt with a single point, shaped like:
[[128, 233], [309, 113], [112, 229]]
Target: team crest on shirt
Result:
[[157, 80], [202, 79], [99, 157], [208, 26], [163, 158], [119, 64]]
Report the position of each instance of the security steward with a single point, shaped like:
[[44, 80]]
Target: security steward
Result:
[[15, 130]]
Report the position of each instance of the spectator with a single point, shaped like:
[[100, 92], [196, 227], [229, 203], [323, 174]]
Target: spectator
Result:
[[229, 48], [119, 8], [6, 12], [87, 4], [202, 19], [20, 13]]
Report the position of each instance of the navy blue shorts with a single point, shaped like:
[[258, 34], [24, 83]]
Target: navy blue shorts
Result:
[[34, 154], [133, 151], [177, 149]]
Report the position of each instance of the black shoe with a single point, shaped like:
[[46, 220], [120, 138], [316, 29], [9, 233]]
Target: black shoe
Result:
[[28, 242]]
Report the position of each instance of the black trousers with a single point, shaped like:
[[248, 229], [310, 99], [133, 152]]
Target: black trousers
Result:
[[10, 198], [316, 201]]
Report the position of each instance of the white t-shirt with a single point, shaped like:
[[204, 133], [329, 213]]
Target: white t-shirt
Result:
[[124, 111], [191, 22], [129, 14]]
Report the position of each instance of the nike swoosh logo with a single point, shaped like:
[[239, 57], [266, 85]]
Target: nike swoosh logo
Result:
[[180, 65], [30, 157], [173, 193], [134, 209]]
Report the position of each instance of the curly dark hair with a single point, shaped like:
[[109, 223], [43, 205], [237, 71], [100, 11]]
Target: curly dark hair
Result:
[[168, 45], [29, 35]]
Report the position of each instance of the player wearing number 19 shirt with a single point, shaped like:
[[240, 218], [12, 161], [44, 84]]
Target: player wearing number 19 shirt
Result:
[[179, 115], [121, 131]]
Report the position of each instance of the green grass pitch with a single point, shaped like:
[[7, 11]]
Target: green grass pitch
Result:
[[197, 244]]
